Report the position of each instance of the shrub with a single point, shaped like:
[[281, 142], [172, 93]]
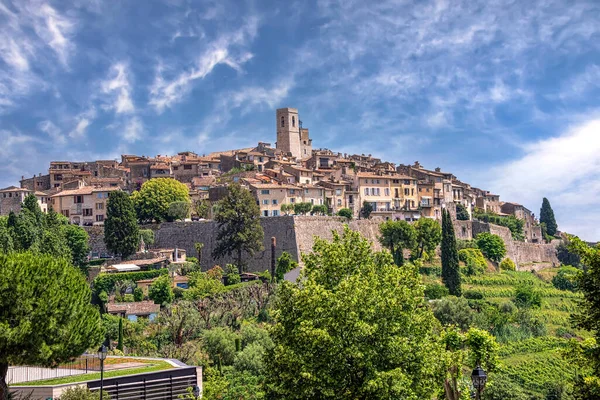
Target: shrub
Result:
[[453, 311], [474, 261], [178, 210], [566, 279], [434, 291], [138, 294], [345, 212], [430, 271], [82, 393], [492, 246], [500, 387], [161, 291], [220, 345], [527, 297], [508, 265], [465, 244], [106, 282], [128, 298], [473, 294]]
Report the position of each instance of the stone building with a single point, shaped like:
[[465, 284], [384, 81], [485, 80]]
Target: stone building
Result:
[[85, 206], [291, 137], [11, 199]]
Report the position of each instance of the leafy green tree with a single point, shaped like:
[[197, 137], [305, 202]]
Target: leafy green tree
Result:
[[450, 265], [30, 204], [6, 241], [161, 290], [201, 208], [454, 311], [203, 284], [566, 278], [286, 209], [474, 261], [508, 265], [284, 264], [366, 210], [121, 232], [461, 213], [178, 210], [429, 236], [77, 241], [302, 208], [345, 212], [397, 236], [34, 291], [492, 246], [364, 317], [152, 201], [219, 343], [547, 217], [240, 230], [526, 296], [320, 209], [120, 338]]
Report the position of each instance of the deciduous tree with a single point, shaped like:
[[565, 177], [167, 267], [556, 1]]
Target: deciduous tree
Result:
[[156, 195], [161, 290], [345, 212], [461, 213], [397, 236], [450, 265], [429, 236], [121, 232], [34, 291], [492, 246], [285, 264], [357, 327], [240, 230]]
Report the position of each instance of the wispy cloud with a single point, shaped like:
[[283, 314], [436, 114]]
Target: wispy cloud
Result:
[[53, 131], [133, 130], [118, 87], [83, 121]]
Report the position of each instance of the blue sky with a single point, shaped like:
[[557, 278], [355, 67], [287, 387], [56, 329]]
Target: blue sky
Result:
[[505, 94]]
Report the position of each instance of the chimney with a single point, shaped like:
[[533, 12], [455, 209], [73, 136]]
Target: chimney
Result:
[[438, 169]]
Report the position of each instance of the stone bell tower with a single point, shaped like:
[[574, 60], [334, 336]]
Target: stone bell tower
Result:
[[288, 131]]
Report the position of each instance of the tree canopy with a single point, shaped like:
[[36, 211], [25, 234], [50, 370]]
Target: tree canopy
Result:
[[121, 232], [450, 265], [357, 327], [367, 209], [397, 236], [461, 213], [428, 237], [240, 231], [547, 217], [345, 212], [46, 316], [492, 246], [152, 201]]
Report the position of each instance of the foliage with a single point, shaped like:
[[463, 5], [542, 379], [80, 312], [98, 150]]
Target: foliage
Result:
[[77, 241], [240, 230], [148, 236], [201, 208], [501, 387], [138, 294], [547, 217], [514, 224], [202, 284], [565, 256], [366, 210], [461, 213], [178, 210], [120, 337], [219, 343], [465, 244], [397, 236], [428, 237], [492, 246], [302, 208], [319, 209], [508, 265], [121, 233], [152, 201], [474, 261], [526, 296], [566, 279], [232, 277], [161, 290], [46, 315], [453, 310], [366, 320], [284, 264], [346, 213], [106, 282], [435, 291], [450, 266], [82, 393], [287, 208]]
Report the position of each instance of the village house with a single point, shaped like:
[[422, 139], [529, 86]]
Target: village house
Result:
[[12, 197], [134, 310], [85, 206]]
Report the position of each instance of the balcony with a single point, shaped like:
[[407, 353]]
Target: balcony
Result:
[[426, 204]]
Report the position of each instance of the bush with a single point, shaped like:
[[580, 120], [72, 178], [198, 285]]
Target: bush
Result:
[[473, 294], [220, 345], [474, 261], [500, 387], [138, 294], [566, 279], [82, 393], [434, 291], [106, 282], [178, 210], [345, 212], [527, 297], [465, 244], [492, 246], [128, 298], [453, 311], [430, 271], [161, 291], [508, 265]]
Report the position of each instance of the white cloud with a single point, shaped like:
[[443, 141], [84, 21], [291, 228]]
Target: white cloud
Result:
[[53, 131], [133, 130], [566, 170], [117, 85]]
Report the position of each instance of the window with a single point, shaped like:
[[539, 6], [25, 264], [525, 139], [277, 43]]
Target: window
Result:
[[265, 202], [406, 192], [282, 125], [87, 212], [175, 168], [95, 173], [338, 192], [372, 181], [264, 191], [378, 192], [78, 199], [99, 218], [99, 206], [406, 182], [265, 213], [366, 191], [312, 201], [387, 191], [189, 166], [306, 190], [339, 202], [274, 201], [292, 200], [66, 213], [293, 121], [275, 213]]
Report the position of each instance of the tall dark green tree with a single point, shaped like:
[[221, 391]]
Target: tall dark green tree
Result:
[[547, 217], [240, 230], [120, 339], [461, 213], [397, 236], [450, 266], [121, 232], [34, 291]]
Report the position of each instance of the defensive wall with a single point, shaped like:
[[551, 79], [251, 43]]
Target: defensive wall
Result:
[[295, 235]]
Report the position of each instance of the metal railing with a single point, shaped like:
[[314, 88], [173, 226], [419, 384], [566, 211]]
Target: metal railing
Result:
[[27, 373]]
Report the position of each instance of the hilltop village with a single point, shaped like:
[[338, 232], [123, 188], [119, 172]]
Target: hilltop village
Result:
[[289, 173]]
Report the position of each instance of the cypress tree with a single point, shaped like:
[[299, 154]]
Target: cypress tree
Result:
[[121, 233], [547, 217], [450, 267], [120, 341]]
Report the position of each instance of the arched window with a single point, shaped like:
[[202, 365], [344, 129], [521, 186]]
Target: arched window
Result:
[[282, 122], [293, 121]]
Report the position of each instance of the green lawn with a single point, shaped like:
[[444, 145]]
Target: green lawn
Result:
[[151, 367]]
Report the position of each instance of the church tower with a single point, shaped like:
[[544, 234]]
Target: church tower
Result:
[[288, 131]]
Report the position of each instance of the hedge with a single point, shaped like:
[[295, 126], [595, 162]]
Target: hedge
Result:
[[106, 282]]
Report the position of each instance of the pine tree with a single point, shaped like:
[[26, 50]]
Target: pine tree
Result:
[[547, 217], [121, 233], [450, 267], [120, 341]]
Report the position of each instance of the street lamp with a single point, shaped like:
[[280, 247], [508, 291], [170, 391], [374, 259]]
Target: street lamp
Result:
[[479, 378], [102, 352]]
